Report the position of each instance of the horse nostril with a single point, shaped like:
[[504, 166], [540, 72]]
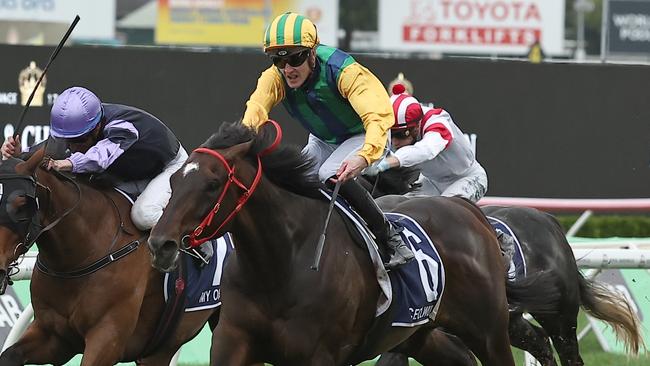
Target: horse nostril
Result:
[[157, 244], [164, 253], [169, 246]]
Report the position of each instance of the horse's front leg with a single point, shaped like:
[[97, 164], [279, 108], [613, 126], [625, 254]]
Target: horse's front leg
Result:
[[37, 346], [106, 342], [231, 346]]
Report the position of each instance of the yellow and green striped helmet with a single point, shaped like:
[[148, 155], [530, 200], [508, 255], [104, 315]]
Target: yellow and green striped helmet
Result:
[[290, 29]]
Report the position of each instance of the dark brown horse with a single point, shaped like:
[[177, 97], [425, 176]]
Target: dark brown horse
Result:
[[276, 309], [544, 248], [109, 314]]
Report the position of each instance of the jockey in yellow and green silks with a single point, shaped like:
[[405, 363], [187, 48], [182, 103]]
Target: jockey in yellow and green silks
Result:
[[341, 103]]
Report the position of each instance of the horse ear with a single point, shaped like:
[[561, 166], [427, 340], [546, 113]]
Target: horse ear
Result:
[[239, 150]]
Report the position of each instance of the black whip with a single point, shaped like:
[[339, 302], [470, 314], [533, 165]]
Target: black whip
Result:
[[52, 57], [321, 240]]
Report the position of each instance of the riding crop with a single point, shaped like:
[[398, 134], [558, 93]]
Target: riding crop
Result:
[[52, 57], [321, 240]]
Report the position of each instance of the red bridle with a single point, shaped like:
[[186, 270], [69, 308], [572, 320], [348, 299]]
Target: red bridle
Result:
[[194, 241]]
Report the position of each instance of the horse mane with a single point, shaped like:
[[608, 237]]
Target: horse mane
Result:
[[393, 181], [9, 166], [285, 166], [56, 149]]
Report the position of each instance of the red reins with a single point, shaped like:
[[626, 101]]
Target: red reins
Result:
[[194, 241]]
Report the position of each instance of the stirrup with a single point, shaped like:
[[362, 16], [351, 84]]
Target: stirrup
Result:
[[506, 242], [397, 260], [401, 253]]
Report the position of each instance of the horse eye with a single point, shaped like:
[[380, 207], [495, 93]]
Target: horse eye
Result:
[[213, 185], [18, 202], [19, 209]]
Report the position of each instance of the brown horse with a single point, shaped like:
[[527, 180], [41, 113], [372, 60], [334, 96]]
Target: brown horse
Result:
[[279, 311], [107, 312]]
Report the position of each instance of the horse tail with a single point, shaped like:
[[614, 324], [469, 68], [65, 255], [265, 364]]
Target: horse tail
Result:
[[535, 293], [613, 308]]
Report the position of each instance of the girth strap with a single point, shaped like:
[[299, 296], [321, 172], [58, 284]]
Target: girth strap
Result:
[[93, 267]]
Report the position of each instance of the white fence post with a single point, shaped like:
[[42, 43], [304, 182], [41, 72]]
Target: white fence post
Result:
[[19, 327], [579, 223]]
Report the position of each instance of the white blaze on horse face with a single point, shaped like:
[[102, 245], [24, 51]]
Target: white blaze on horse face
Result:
[[190, 167]]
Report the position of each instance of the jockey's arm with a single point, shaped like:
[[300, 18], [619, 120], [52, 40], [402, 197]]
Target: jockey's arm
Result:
[[118, 137], [369, 99], [432, 143], [268, 93]]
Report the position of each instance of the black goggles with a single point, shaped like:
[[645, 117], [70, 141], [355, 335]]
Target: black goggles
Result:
[[401, 134], [293, 60]]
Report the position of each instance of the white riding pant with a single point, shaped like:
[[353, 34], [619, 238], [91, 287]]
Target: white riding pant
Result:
[[472, 185], [153, 195], [328, 157]]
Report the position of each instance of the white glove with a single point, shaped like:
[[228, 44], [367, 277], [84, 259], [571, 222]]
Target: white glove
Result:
[[377, 168]]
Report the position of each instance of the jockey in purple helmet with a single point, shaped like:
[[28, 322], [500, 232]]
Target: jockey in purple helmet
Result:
[[130, 145], [76, 112]]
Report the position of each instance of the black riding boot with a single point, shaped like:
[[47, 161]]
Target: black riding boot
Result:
[[507, 245], [386, 234]]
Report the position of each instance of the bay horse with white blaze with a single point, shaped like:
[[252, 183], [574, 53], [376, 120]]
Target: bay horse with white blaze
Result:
[[276, 309], [94, 290]]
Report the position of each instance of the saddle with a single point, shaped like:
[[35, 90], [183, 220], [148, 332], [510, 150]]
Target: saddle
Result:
[[513, 255]]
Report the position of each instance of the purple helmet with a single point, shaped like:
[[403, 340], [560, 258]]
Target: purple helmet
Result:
[[75, 112]]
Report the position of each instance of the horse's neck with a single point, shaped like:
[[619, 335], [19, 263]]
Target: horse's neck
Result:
[[83, 234], [270, 231]]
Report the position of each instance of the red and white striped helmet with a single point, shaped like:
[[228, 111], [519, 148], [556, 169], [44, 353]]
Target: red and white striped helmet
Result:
[[408, 111]]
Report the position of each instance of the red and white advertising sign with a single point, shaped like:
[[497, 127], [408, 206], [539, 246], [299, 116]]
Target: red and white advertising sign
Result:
[[471, 26]]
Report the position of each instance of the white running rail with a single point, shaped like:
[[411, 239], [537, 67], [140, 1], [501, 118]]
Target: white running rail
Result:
[[572, 205]]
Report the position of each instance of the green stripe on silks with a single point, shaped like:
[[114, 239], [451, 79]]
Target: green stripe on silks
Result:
[[343, 113], [338, 115], [279, 33], [297, 30], [348, 61], [267, 36], [319, 106], [324, 52], [317, 126]]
